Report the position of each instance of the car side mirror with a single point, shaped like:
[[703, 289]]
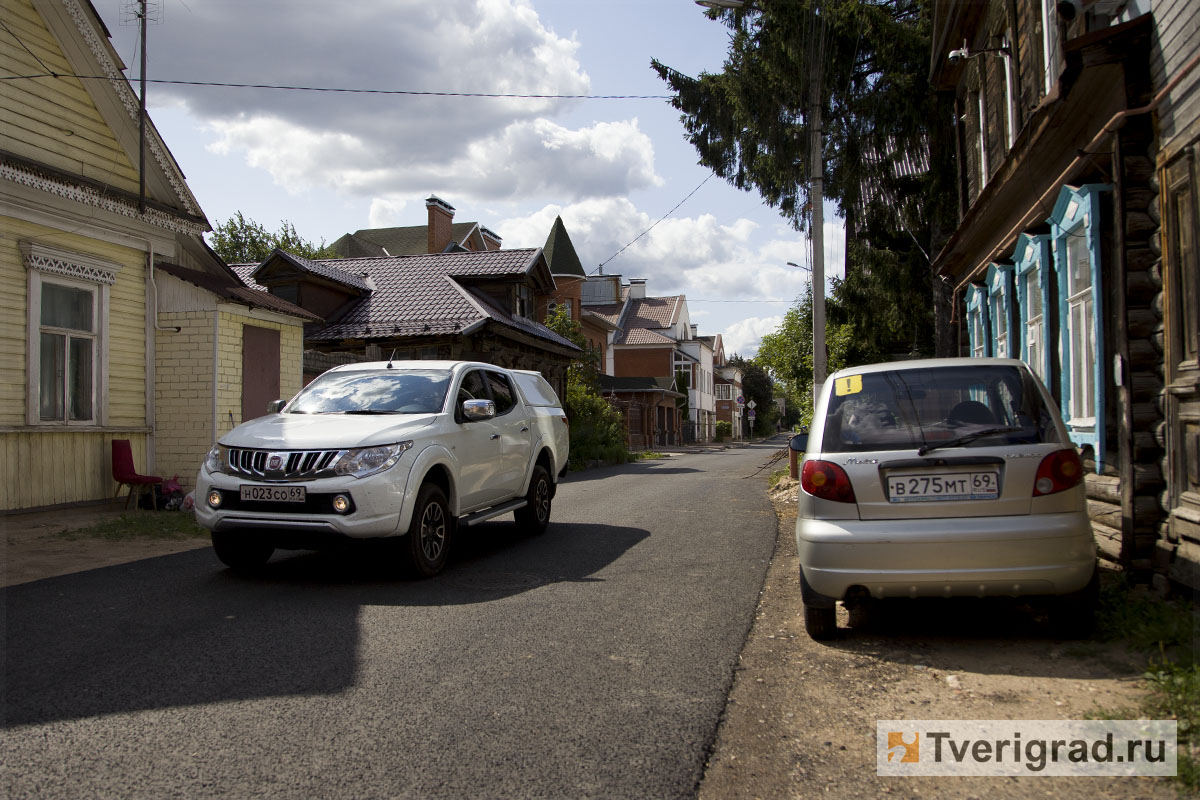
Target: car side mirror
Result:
[[477, 410], [275, 406], [799, 442]]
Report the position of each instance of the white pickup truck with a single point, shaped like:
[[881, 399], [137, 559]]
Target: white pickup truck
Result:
[[406, 449]]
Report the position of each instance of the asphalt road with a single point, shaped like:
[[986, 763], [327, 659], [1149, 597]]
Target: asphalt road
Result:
[[592, 661]]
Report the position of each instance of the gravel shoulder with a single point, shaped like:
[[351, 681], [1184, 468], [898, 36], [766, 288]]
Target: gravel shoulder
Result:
[[800, 720]]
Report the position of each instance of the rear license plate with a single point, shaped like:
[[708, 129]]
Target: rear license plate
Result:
[[909, 488], [273, 494]]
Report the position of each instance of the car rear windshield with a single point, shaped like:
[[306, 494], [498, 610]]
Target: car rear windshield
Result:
[[960, 406], [373, 392]]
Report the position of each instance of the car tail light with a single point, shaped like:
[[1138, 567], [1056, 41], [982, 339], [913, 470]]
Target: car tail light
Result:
[[826, 480], [1058, 472]]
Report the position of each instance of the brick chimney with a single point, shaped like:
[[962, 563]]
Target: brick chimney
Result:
[[441, 217]]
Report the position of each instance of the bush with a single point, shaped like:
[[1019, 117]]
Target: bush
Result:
[[597, 429], [724, 430]]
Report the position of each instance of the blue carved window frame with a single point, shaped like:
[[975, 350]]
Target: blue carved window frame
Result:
[[1075, 233], [1001, 308], [978, 324], [1034, 266]]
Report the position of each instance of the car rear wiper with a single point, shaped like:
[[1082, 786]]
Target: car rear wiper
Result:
[[965, 438]]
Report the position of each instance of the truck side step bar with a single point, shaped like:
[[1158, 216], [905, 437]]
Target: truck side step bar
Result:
[[488, 513]]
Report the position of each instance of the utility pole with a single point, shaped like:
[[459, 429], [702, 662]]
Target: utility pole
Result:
[[816, 197], [142, 115]]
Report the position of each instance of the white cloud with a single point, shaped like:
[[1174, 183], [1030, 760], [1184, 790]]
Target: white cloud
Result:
[[743, 338]]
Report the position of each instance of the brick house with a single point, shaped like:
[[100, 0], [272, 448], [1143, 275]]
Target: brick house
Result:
[[1075, 248]]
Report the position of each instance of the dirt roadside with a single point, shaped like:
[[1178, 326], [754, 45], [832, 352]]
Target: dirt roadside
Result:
[[800, 720], [34, 547]]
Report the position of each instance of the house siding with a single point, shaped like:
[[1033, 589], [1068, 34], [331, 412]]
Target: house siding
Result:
[[69, 465], [53, 120]]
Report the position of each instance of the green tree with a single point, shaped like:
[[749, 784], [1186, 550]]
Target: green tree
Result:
[[758, 386], [885, 163], [682, 403], [597, 429], [243, 241]]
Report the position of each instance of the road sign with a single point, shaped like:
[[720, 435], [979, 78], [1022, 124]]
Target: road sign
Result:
[[741, 400], [750, 413], [752, 405]]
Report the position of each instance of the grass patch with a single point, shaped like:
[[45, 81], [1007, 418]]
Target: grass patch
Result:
[[646, 454], [1165, 631], [776, 477], [161, 525]]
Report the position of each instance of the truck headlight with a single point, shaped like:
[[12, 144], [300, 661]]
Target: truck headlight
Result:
[[216, 459], [366, 461]]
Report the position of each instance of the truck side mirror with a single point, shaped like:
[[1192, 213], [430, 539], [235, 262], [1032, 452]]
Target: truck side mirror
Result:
[[476, 410], [275, 406], [799, 442]]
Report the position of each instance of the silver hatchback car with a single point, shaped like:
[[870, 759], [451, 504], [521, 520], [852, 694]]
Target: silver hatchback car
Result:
[[941, 478]]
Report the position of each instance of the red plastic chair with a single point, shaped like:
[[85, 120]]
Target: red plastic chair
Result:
[[125, 474]]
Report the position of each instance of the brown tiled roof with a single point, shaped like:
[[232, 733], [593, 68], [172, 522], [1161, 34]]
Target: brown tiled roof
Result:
[[226, 289], [427, 295], [644, 336], [653, 312], [608, 383], [410, 240], [609, 311]]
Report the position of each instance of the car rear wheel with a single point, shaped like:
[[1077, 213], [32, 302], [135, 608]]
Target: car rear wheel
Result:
[[427, 545], [535, 515], [821, 623], [1073, 615], [241, 551]]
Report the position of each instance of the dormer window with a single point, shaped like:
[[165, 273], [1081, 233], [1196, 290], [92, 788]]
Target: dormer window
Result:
[[523, 302]]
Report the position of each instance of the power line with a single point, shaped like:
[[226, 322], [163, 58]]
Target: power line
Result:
[[351, 90], [660, 219]]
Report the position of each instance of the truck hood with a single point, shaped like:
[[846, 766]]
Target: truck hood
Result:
[[325, 431]]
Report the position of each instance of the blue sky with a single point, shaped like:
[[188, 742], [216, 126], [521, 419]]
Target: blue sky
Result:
[[332, 163]]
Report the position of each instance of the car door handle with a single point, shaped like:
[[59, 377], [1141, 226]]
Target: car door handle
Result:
[[525, 429], [494, 436]]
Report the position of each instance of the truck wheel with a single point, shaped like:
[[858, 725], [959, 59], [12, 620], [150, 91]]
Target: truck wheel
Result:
[[535, 515], [427, 545], [241, 551]]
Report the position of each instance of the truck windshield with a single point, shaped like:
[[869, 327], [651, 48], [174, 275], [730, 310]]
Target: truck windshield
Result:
[[960, 406], [373, 392]]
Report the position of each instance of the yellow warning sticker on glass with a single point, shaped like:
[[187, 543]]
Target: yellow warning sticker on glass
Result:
[[848, 385]]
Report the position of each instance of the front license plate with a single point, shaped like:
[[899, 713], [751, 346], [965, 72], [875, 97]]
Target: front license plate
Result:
[[273, 494], [909, 488]]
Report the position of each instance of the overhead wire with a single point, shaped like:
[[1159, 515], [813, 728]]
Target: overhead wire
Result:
[[660, 219], [350, 90]]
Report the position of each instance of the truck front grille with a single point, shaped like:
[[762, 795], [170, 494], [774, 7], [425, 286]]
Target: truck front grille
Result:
[[282, 465]]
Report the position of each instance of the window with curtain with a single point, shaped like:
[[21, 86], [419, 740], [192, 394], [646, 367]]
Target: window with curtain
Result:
[[67, 316]]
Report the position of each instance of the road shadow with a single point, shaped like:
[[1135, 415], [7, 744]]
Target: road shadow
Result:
[[181, 630], [996, 636]]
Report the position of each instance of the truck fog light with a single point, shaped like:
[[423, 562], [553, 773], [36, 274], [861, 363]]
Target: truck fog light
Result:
[[341, 504], [215, 499]]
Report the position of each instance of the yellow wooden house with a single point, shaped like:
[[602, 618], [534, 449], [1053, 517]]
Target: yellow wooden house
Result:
[[116, 320]]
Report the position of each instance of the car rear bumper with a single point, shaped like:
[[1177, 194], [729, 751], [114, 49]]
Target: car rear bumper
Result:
[[1043, 554]]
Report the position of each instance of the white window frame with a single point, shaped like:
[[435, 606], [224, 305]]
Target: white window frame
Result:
[[723, 391], [1050, 45], [1034, 268], [999, 289], [51, 265], [1075, 226], [977, 322]]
